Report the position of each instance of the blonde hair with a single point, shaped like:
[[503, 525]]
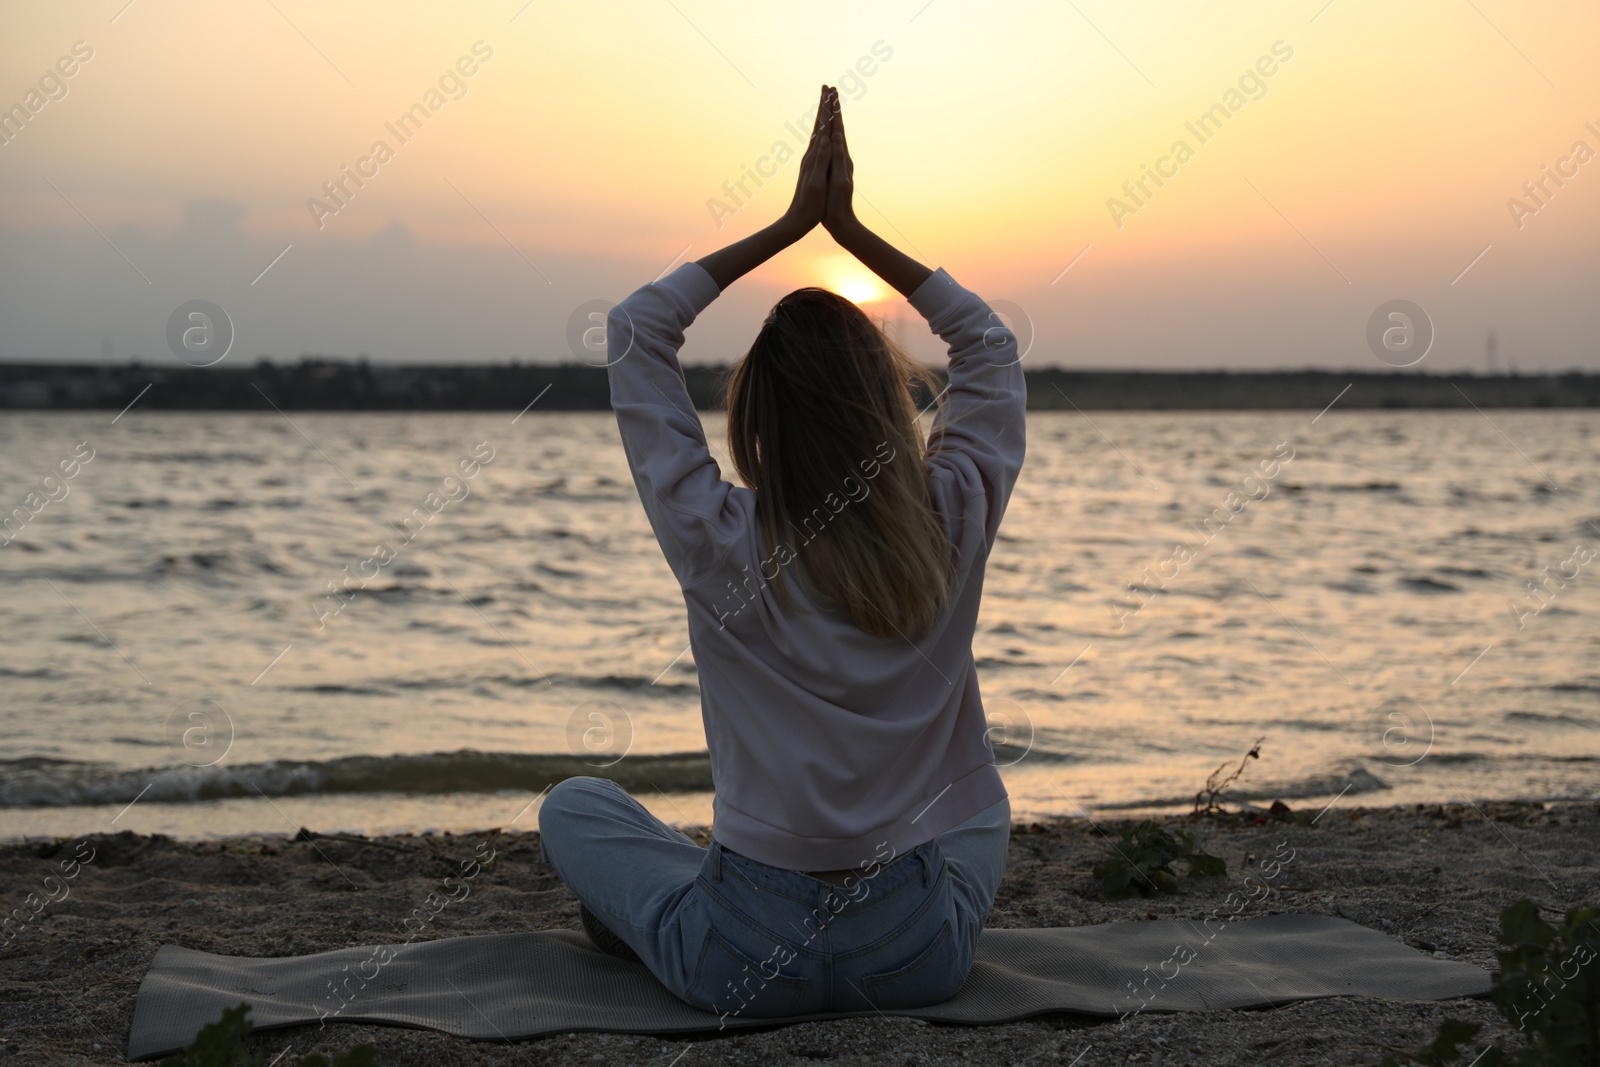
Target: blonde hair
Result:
[[822, 399]]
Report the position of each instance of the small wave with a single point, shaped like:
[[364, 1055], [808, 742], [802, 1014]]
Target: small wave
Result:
[[1359, 781], [1365, 487], [1355, 783], [1015, 744], [1553, 720], [395, 591], [1357, 588], [1057, 696], [989, 663], [1425, 584], [229, 562], [38, 782], [573, 538], [560, 489], [627, 683], [334, 687], [163, 458], [630, 682], [50, 783]]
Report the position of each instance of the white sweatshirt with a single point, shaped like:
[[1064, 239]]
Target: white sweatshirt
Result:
[[830, 748]]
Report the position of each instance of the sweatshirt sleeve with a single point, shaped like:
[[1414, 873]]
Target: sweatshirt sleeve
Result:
[[978, 434], [679, 483]]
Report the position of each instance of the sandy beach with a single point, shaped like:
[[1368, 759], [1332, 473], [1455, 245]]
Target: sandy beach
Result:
[[1433, 876]]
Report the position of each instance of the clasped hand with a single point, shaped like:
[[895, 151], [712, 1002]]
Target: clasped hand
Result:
[[822, 194], [823, 190]]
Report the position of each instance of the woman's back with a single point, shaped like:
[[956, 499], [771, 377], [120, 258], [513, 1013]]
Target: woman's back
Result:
[[825, 741]]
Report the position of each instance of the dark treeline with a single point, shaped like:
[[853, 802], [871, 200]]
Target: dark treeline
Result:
[[314, 384]]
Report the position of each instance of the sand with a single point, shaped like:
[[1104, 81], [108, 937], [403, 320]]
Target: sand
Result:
[[1434, 876]]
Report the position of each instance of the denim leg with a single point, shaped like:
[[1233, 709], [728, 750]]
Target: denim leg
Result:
[[975, 853], [638, 875], [935, 931], [625, 865]]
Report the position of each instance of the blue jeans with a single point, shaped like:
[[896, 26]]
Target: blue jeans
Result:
[[729, 935]]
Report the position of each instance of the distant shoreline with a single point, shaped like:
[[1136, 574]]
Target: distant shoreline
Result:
[[324, 385]]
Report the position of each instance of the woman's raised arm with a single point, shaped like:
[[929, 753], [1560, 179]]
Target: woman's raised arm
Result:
[[839, 219], [729, 264], [977, 441]]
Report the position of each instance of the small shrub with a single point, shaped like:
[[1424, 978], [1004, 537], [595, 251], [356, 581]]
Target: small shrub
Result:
[[1546, 987], [1141, 862], [224, 1044]]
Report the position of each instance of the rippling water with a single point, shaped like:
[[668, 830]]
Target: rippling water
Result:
[[1353, 589]]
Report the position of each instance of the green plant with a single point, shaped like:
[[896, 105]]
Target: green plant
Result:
[[224, 1044], [1445, 1049], [1141, 862], [1546, 987]]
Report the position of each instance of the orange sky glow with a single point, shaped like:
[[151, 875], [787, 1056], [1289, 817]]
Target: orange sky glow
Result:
[[1232, 185]]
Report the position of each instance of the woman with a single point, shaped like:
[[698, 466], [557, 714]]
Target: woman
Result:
[[859, 823]]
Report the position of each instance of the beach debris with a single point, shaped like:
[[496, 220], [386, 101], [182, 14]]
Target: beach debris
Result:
[[1209, 800]]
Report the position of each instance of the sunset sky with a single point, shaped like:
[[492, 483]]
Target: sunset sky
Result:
[[589, 148]]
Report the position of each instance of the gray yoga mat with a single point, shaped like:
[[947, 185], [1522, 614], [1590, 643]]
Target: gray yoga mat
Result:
[[506, 986]]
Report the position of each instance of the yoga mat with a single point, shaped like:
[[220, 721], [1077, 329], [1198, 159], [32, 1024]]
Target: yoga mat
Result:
[[508, 986]]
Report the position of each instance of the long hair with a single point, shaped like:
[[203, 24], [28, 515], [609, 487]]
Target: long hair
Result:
[[823, 426]]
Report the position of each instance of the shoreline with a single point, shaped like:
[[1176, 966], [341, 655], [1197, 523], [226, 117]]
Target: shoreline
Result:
[[324, 383], [436, 817], [1435, 876]]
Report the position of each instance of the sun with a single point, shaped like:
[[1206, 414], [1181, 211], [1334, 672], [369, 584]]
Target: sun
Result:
[[847, 277]]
